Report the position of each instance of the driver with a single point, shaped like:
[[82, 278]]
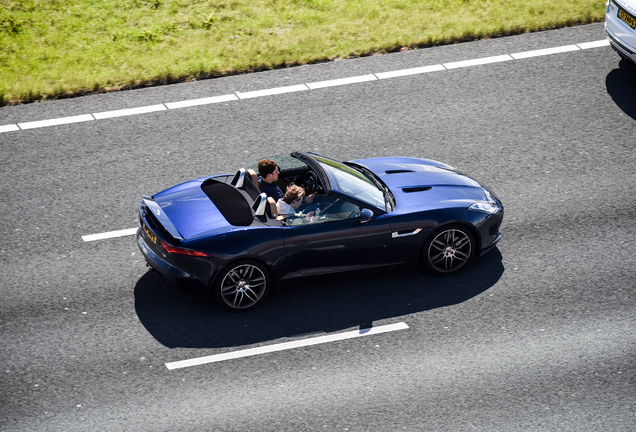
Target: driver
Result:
[[268, 170]]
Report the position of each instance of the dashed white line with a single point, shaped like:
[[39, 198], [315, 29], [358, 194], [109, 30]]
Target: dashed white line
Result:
[[286, 346], [477, 62], [202, 101], [57, 121], [302, 87], [543, 52], [411, 71], [109, 235], [595, 44], [130, 111], [341, 81], [273, 91], [9, 128]]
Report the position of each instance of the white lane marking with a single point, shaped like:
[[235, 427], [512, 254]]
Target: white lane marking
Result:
[[547, 51], [595, 44], [55, 122], [341, 81], [273, 91], [9, 128], [411, 71], [129, 111], [110, 234], [311, 86], [477, 62], [202, 101], [286, 346]]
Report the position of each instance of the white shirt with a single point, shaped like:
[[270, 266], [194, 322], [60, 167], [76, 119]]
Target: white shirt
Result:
[[284, 209]]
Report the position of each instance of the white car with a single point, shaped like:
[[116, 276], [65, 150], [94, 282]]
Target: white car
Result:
[[620, 26]]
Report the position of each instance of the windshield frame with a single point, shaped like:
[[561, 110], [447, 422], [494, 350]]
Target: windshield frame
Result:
[[377, 191]]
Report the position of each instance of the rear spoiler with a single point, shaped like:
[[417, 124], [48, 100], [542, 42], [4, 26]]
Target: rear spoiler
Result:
[[163, 219]]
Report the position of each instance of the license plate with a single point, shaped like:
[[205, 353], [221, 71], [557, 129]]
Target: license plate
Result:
[[627, 18], [150, 234]]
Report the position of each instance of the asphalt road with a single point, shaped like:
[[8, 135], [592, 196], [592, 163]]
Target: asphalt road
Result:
[[538, 335]]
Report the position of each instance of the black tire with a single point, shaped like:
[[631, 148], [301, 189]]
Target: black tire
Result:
[[242, 285], [449, 249]]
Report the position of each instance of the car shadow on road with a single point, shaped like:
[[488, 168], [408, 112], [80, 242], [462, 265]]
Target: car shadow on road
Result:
[[306, 306], [621, 86]]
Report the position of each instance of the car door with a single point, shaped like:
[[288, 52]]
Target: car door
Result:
[[335, 239]]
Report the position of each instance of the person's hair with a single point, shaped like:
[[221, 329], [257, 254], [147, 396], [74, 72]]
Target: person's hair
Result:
[[266, 167], [293, 192]]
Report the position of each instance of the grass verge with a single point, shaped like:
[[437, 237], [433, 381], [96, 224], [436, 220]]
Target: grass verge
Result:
[[62, 48]]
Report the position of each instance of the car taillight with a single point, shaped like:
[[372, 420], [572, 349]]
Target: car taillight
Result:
[[181, 251]]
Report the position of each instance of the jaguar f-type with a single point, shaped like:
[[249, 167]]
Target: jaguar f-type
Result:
[[221, 235]]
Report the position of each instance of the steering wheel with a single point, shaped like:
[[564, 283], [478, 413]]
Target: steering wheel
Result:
[[310, 182]]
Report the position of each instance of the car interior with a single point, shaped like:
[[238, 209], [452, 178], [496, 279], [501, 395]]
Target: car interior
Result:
[[234, 202]]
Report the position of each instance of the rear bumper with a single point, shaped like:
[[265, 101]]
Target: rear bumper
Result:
[[167, 270], [621, 48], [621, 36]]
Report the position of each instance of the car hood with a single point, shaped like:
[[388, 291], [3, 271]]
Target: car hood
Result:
[[190, 211], [420, 184]]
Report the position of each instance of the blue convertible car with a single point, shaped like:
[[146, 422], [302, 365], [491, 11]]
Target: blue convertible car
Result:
[[219, 234]]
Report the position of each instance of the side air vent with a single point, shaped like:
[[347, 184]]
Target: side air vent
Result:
[[416, 189], [402, 171]]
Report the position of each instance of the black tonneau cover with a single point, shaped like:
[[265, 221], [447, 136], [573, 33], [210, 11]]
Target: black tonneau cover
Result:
[[230, 201]]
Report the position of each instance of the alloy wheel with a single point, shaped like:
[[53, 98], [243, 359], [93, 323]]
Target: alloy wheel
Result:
[[243, 286], [449, 250]]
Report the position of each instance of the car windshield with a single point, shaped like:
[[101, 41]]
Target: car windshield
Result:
[[353, 182]]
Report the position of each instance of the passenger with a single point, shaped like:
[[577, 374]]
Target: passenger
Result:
[[286, 207], [268, 170]]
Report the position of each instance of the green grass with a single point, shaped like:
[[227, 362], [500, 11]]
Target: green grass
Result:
[[60, 48]]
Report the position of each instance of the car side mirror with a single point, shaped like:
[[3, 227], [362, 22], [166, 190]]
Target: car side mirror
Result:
[[366, 215]]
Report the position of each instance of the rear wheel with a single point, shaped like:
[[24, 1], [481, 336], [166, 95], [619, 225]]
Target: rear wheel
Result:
[[242, 285], [448, 249]]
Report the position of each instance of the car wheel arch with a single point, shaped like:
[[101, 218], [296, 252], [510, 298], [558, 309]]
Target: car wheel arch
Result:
[[474, 231], [221, 269]]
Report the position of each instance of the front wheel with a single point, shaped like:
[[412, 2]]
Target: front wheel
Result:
[[242, 285], [448, 249]]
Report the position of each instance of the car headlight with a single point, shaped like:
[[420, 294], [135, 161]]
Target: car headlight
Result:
[[485, 207]]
